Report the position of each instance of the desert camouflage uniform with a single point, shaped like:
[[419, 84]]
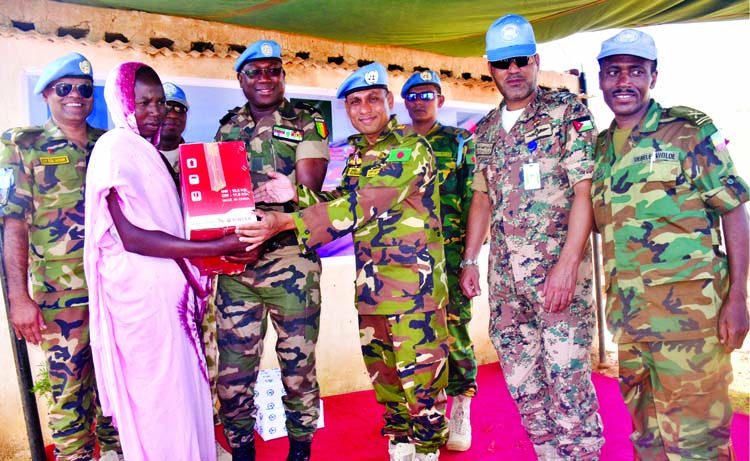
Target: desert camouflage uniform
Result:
[[544, 355], [48, 173], [658, 202], [388, 199], [284, 284], [454, 160]]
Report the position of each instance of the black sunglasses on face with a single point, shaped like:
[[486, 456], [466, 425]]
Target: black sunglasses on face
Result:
[[255, 73], [177, 108], [85, 90], [504, 64], [423, 96]]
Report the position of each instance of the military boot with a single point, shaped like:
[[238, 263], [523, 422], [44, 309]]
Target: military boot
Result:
[[459, 437], [245, 452], [299, 450]]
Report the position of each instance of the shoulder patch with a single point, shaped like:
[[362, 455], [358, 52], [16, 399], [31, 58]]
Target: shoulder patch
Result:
[[583, 124], [22, 137], [399, 155], [321, 127], [695, 117]]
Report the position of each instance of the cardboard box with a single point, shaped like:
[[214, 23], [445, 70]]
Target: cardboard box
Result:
[[217, 195], [270, 421]]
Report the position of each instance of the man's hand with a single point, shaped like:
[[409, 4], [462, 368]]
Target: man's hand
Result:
[[278, 190], [559, 287], [269, 224], [26, 318], [469, 281], [734, 322]]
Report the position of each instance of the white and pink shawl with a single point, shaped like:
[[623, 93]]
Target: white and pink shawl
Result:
[[150, 369]]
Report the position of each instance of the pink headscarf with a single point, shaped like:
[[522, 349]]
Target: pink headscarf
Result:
[[119, 93]]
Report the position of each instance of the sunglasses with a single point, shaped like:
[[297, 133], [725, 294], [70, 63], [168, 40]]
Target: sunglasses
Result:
[[504, 64], [423, 96], [85, 90], [255, 73], [177, 108]]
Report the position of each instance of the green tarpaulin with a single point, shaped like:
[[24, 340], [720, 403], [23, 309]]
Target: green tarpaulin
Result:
[[449, 27]]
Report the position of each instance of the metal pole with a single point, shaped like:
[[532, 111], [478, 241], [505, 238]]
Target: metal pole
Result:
[[23, 374]]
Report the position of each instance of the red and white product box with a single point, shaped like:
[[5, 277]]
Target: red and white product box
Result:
[[217, 195]]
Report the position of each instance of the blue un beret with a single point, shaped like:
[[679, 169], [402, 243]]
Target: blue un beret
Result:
[[262, 49], [174, 93], [629, 41], [70, 65], [365, 78], [427, 77], [509, 37]]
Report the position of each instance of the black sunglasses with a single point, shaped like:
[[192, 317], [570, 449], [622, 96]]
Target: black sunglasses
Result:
[[504, 64], [85, 90], [423, 96], [177, 108], [255, 73]]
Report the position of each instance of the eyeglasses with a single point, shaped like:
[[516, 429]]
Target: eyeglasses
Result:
[[423, 96], [177, 108], [85, 90], [504, 64], [269, 72]]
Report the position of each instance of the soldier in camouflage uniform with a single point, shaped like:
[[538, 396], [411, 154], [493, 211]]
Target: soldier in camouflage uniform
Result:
[[389, 200], [285, 283], [454, 160], [42, 173], [663, 184], [532, 188]]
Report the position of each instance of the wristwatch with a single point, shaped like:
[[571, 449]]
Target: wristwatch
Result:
[[468, 262]]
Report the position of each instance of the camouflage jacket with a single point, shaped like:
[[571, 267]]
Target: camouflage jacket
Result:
[[46, 174], [529, 227], [276, 143], [454, 159], [388, 198], [658, 203]]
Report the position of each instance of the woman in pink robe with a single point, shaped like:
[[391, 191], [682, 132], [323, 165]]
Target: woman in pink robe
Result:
[[146, 300]]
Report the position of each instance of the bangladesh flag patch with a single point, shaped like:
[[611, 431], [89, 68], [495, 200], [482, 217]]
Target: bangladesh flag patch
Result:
[[583, 124], [399, 155]]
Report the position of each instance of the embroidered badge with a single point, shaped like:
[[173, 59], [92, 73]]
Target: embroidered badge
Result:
[[583, 124], [483, 149], [321, 127], [290, 134], [399, 155], [55, 160]]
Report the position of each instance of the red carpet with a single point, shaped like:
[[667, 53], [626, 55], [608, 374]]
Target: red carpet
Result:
[[353, 421]]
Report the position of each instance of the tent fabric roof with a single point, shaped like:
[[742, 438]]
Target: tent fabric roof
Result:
[[447, 27]]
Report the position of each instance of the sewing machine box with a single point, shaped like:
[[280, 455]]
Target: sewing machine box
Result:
[[270, 421], [217, 195]]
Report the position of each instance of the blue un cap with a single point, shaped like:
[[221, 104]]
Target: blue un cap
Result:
[[629, 41], [427, 77], [174, 93], [262, 49], [509, 37], [365, 78], [70, 65]]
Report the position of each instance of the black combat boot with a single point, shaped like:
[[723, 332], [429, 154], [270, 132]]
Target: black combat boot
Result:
[[299, 450], [245, 452]]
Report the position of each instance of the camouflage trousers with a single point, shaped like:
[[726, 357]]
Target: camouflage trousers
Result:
[[210, 348], [547, 366], [677, 393], [74, 407], [462, 364], [242, 319], [406, 356]]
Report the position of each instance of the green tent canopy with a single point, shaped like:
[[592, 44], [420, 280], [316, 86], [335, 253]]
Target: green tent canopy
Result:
[[448, 27]]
